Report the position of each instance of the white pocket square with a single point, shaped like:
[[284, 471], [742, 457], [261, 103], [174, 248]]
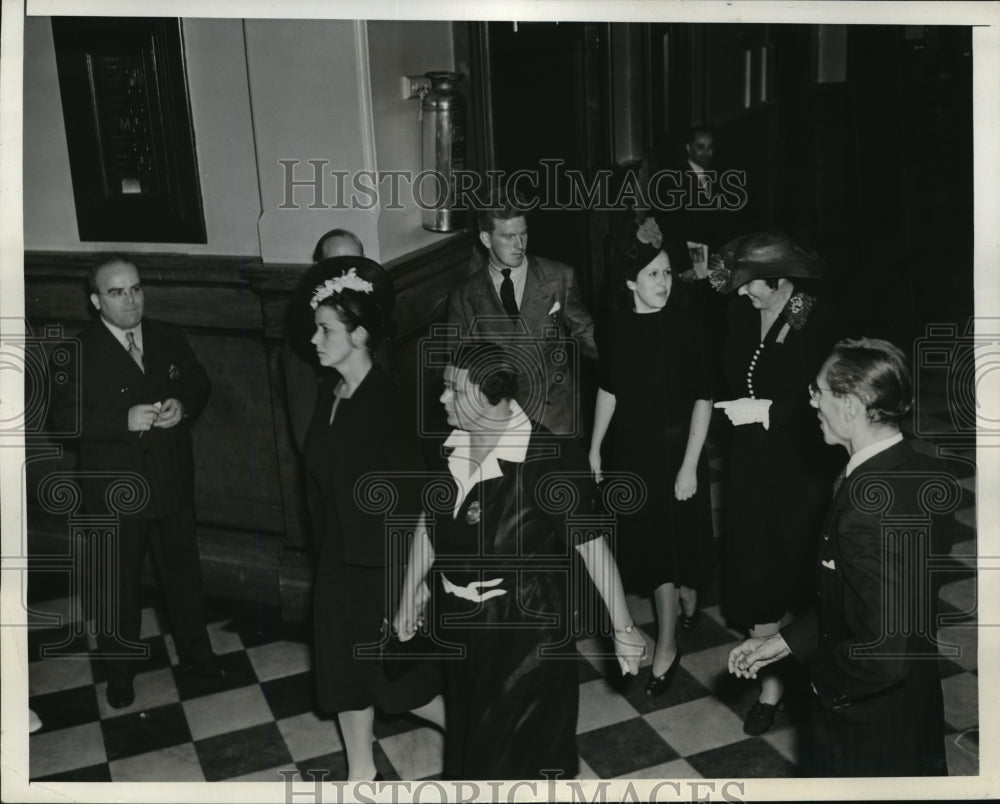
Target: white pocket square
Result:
[[831, 564]]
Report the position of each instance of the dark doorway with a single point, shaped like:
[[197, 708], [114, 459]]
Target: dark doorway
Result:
[[549, 103]]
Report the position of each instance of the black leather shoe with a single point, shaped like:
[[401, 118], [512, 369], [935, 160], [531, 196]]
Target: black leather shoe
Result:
[[120, 694], [760, 718], [688, 622], [658, 684]]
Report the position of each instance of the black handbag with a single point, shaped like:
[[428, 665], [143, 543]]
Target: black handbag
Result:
[[598, 505], [398, 658]]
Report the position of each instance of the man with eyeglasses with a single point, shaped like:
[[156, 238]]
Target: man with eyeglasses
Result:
[[140, 387], [870, 646]]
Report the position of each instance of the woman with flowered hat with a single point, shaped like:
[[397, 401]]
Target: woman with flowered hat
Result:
[[358, 429], [655, 384], [780, 472]]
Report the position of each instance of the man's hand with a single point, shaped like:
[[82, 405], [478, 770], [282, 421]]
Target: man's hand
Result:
[[170, 414], [142, 417], [747, 659]]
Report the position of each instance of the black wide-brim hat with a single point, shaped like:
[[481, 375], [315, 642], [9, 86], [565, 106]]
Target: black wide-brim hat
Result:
[[762, 255], [299, 325]]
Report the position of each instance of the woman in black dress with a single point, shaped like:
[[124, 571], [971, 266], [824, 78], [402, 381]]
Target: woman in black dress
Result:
[[357, 429], [655, 385], [780, 472], [502, 570]]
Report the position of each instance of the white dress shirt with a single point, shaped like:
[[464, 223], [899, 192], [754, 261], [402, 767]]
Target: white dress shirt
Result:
[[871, 451], [121, 335], [517, 276], [512, 447]]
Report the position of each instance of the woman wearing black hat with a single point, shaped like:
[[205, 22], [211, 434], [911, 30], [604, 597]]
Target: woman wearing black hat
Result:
[[356, 430], [655, 371], [780, 472]]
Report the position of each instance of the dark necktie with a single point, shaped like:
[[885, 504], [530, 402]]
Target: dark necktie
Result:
[[133, 350], [839, 481], [507, 294]]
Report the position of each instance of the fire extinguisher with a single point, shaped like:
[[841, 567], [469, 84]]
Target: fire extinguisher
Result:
[[444, 119]]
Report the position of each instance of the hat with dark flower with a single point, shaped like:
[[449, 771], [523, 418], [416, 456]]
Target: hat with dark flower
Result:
[[636, 247], [762, 255]]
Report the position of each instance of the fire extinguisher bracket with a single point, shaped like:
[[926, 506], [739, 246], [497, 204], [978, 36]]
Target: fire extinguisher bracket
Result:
[[415, 86]]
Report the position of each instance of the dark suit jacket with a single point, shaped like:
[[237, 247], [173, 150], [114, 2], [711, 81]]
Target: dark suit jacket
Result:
[[549, 393], [870, 648], [109, 384], [349, 470]]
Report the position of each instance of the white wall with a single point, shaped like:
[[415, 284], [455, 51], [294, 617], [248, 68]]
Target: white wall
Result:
[[308, 105], [397, 49], [49, 212], [262, 91]]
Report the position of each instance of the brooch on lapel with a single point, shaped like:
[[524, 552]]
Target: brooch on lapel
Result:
[[798, 308], [473, 513], [173, 372]]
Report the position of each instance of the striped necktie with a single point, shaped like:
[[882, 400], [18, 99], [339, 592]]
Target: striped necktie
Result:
[[134, 351]]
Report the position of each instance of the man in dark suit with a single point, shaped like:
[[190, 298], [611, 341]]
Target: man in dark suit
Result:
[[703, 218], [870, 648], [141, 388], [532, 306]]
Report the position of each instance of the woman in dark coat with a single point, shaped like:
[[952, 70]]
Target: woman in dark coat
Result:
[[502, 571], [780, 472], [357, 429], [655, 394]]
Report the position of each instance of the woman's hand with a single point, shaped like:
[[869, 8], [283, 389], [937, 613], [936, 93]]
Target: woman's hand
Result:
[[410, 615], [595, 465], [747, 411], [630, 648], [686, 483]]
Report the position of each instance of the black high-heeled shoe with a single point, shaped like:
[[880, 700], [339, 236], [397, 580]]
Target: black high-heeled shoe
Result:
[[688, 622], [658, 684]]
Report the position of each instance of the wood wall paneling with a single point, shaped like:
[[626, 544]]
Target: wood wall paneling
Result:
[[253, 528]]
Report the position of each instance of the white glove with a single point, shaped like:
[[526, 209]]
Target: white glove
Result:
[[473, 591], [747, 411]]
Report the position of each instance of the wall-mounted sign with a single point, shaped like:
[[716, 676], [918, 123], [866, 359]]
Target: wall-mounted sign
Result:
[[128, 129]]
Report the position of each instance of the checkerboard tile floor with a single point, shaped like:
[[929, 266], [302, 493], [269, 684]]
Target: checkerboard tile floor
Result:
[[260, 719]]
